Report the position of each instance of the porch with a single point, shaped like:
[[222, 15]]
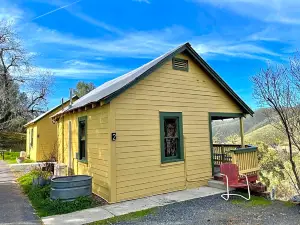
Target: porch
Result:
[[245, 156]]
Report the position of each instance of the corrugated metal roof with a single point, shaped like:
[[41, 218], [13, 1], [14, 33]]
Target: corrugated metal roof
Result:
[[114, 86]]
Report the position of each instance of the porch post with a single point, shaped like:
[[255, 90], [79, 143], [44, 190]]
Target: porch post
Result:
[[242, 131]]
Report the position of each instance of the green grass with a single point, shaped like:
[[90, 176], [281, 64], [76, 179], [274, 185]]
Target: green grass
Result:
[[127, 217], [254, 201], [10, 158], [289, 204], [44, 206]]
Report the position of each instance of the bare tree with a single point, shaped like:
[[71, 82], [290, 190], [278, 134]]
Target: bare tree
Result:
[[278, 89], [23, 87]]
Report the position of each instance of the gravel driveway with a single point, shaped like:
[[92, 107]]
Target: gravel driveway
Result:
[[213, 210]]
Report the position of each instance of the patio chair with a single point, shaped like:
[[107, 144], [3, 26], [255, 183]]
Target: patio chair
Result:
[[230, 174]]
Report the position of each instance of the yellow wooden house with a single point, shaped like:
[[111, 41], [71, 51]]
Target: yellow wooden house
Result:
[[149, 131], [41, 134]]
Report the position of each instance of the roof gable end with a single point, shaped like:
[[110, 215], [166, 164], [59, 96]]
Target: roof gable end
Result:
[[113, 88]]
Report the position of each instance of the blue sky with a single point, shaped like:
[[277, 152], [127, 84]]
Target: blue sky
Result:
[[97, 40]]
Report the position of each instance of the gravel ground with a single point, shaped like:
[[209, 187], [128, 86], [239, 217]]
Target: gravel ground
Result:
[[213, 210], [14, 206]]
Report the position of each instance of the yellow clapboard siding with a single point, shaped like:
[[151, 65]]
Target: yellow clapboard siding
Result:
[[138, 165], [134, 160], [139, 127], [135, 144], [45, 137], [200, 106], [149, 168], [202, 176], [138, 136], [145, 132], [151, 191], [132, 149], [177, 99], [198, 166], [204, 156], [158, 182], [138, 154], [151, 173], [94, 170], [161, 177], [97, 146]]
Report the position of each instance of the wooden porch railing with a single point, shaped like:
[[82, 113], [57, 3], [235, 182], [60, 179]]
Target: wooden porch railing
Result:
[[222, 153], [245, 158]]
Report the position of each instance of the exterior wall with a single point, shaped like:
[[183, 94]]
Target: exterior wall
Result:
[[139, 171], [97, 139], [31, 151], [45, 137]]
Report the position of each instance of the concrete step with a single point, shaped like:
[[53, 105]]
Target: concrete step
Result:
[[218, 184]]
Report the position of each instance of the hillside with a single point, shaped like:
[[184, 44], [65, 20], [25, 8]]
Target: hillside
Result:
[[267, 134], [225, 128]]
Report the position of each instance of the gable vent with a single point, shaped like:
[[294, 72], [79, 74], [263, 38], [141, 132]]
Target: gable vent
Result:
[[180, 64]]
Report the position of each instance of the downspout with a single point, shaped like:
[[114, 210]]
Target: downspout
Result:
[[63, 132]]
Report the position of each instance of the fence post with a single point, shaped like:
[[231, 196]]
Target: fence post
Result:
[[222, 154], [234, 158]]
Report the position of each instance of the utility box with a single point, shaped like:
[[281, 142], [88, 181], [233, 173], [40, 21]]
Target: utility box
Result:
[[60, 170]]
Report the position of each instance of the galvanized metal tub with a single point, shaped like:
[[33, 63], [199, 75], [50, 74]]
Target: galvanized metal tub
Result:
[[69, 188]]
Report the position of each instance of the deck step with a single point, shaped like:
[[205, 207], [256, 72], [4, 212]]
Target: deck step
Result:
[[218, 184]]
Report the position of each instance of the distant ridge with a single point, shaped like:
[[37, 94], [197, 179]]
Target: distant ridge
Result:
[[225, 128]]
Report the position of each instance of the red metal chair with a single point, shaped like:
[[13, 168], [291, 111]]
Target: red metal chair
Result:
[[230, 174]]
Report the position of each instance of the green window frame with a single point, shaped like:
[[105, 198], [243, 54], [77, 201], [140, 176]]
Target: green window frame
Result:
[[179, 136], [82, 139]]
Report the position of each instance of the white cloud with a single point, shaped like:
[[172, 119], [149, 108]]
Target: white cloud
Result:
[[145, 1], [9, 12], [75, 52], [279, 11], [240, 50], [84, 72], [78, 69], [134, 44], [80, 63]]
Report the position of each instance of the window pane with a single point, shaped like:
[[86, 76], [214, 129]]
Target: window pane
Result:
[[82, 149], [82, 130], [82, 139], [171, 137]]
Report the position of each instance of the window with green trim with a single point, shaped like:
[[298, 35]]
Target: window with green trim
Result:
[[171, 137], [82, 131]]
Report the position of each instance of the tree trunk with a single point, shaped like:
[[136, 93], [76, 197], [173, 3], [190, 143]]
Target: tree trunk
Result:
[[294, 169]]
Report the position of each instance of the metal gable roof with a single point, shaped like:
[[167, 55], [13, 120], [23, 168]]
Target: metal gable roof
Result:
[[113, 88]]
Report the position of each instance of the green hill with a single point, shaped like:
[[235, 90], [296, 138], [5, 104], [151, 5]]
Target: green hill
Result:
[[222, 129], [267, 134]]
